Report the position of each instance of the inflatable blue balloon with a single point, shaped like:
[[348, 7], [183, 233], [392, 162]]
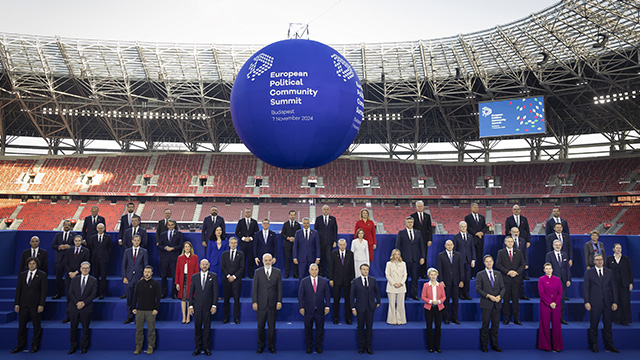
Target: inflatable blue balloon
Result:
[[297, 104]]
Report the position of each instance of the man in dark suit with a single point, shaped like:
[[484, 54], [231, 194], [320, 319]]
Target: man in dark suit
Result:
[[341, 273], [510, 263], [422, 222], [61, 243], [306, 248], [555, 219], [72, 260], [126, 221], [490, 288], [564, 237], [203, 303], [134, 261], [409, 242], [135, 229], [365, 299], [91, 222], [100, 246], [313, 301], [31, 293], [82, 292], [264, 242], [210, 223], [463, 243], [520, 244], [560, 263], [600, 299], [522, 223], [266, 299], [170, 246], [451, 268], [163, 225], [477, 226], [327, 228], [34, 251], [288, 233], [232, 268], [245, 230]]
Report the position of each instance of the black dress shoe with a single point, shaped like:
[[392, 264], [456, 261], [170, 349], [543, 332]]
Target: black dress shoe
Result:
[[456, 322], [506, 322], [446, 322], [369, 351], [564, 322], [594, 348], [66, 320], [415, 298], [348, 321], [101, 297], [335, 321], [225, 321], [613, 349], [124, 296], [56, 297], [484, 349], [207, 352], [260, 350], [272, 350], [128, 321], [360, 351], [524, 298], [526, 277], [318, 350], [438, 351], [196, 352], [430, 350], [83, 351], [34, 349], [495, 348], [236, 321], [286, 276], [308, 350], [517, 322], [17, 350], [71, 351]]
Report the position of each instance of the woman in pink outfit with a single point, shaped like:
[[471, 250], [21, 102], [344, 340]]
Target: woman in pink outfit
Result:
[[550, 331]]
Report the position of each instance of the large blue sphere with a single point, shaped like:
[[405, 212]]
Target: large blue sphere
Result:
[[297, 104]]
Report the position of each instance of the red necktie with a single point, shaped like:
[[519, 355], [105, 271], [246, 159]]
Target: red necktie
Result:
[[75, 256], [511, 255], [135, 254], [315, 287]]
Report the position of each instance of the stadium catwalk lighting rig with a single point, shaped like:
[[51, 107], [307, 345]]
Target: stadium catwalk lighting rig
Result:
[[622, 96]]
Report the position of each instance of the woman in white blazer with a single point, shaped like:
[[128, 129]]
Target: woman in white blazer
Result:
[[360, 249], [396, 274]]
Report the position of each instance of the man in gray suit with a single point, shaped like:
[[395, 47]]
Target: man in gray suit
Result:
[[133, 263], [267, 300], [490, 288]]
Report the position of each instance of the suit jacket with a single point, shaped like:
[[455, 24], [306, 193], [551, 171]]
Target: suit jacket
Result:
[[566, 243], [176, 243], [42, 256], [89, 229], [124, 225], [72, 262], [76, 294], [427, 294], [474, 227], [59, 240], [314, 302], [127, 242], [232, 268], [306, 251], [260, 247], [328, 234], [341, 274], [598, 291], [484, 288], [243, 231], [504, 264], [525, 232], [100, 251], [203, 299], [133, 269], [267, 292], [208, 226], [465, 248], [363, 299], [562, 269], [622, 272], [32, 295], [161, 227], [451, 273], [412, 251], [425, 228], [289, 231], [548, 227], [522, 246], [589, 253]]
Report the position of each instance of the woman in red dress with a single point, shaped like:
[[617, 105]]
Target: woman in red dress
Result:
[[369, 227], [186, 267]]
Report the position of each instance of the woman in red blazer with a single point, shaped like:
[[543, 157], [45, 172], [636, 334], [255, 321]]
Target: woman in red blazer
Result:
[[433, 297], [369, 227], [186, 267]]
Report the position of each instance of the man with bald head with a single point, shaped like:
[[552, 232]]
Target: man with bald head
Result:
[[100, 246], [450, 266], [203, 303], [35, 251]]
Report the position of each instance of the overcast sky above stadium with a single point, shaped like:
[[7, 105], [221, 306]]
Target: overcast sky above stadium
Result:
[[261, 21]]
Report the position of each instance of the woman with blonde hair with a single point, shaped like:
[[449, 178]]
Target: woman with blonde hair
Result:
[[360, 249], [396, 274], [433, 296], [369, 227], [186, 266]]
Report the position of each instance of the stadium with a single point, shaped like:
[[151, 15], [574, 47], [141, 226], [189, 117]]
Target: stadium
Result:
[[105, 123]]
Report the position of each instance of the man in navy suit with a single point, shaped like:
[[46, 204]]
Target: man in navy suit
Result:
[[34, 251], [478, 228], [510, 263], [522, 223], [365, 299], [264, 242], [163, 225], [564, 238], [313, 301], [170, 246], [61, 243], [72, 260], [555, 219], [232, 268], [135, 229], [422, 222], [203, 303], [266, 300], [490, 288], [100, 246], [522, 245], [82, 292], [246, 229], [327, 228], [134, 261], [451, 268], [600, 299], [409, 242], [91, 222], [288, 233], [31, 293], [306, 248], [210, 223], [125, 222], [463, 243], [341, 273], [560, 263]]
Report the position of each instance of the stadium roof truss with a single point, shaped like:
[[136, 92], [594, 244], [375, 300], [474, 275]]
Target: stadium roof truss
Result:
[[73, 91]]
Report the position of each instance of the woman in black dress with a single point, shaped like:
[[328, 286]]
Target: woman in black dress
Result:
[[623, 279]]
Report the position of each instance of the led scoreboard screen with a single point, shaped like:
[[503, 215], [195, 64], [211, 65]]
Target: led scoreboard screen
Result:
[[512, 117]]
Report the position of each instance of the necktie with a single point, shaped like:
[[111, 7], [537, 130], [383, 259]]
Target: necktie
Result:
[[268, 274], [410, 235], [464, 237], [510, 255], [559, 259], [342, 256], [135, 254], [94, 220], [265, 236], [450, 257], [33, 253], [84, 283], [170, 235], [326, 221], [66, 236], [203, 279], [491, 278], [476, 217], [75, 255], [247, 224], [30, 278], [517, 244], [560, 237], [291, 222], [315, 287], [306, 234], [518, 221], [366, 283], [233, 255], [600, 273], [99, 239], [420, 216], [129, 219]]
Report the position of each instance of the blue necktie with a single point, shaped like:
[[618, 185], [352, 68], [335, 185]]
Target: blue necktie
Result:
[[491, 278]]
